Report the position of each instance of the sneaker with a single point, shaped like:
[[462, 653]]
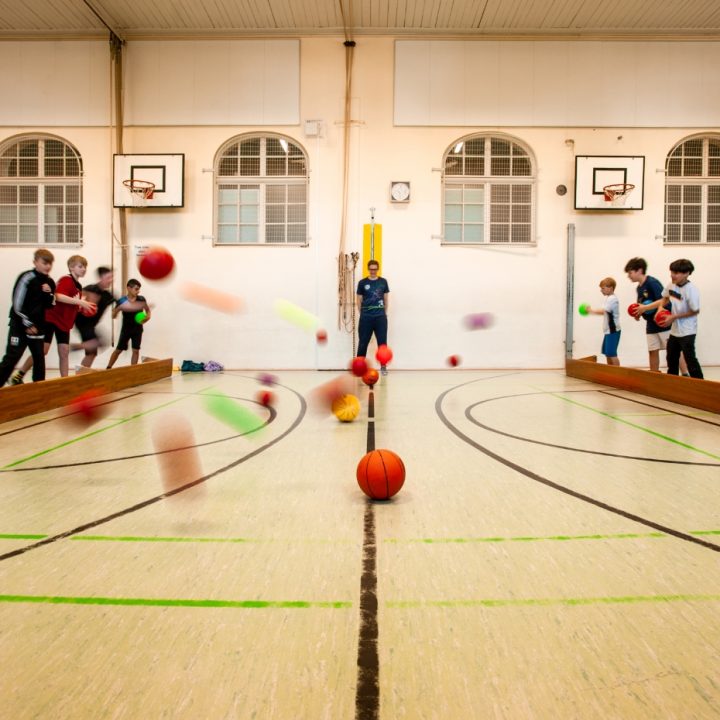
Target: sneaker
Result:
[[383, 370], [17, 378]]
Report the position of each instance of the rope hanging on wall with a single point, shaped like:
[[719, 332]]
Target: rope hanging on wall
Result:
[[346, 263]]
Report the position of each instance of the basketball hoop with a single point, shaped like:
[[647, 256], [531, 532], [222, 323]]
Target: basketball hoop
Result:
[[140, 191], [617, 194]]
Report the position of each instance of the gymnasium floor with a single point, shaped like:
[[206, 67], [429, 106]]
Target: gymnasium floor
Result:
[[553, 554]]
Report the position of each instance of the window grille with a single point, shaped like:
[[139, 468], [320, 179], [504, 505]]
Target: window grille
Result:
[[41, 200], [488, 192], [261, 192], [692, 192]]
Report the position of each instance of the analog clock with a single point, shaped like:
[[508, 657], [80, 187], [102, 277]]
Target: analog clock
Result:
[[399, 191]]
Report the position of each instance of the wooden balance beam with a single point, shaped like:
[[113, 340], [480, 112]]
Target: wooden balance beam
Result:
[[18, 401], [700, 394]]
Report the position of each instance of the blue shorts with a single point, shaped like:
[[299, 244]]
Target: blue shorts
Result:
[[610, 344]]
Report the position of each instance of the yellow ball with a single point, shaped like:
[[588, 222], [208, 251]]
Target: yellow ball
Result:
[[346, 408]]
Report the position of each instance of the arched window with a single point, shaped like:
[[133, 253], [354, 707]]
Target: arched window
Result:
[[261, 184], [40, 192], [692, 191], [488, 192]]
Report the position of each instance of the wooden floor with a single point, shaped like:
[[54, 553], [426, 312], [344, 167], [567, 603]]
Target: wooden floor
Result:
[[553, 554]]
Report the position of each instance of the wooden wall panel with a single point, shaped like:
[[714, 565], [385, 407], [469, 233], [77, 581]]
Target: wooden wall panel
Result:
[[701, 394], [18, 401]]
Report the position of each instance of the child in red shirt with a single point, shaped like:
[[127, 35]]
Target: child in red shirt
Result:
[[60, 318]]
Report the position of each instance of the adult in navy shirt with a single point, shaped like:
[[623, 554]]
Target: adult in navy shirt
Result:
[[372, 300]]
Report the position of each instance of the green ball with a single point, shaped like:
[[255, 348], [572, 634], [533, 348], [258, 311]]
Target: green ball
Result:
[[584, 309], [141, 317]]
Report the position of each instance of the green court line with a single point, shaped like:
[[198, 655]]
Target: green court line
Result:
[[636, 426], [618, 536], [161, 539], [90, 434], [164, 602], [437, 541], [539, 602]]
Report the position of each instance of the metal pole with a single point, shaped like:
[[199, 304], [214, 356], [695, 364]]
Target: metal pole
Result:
[[570, 277], [372, 234]]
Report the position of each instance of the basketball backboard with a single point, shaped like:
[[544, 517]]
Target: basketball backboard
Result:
[[167, 172], [594, 172]]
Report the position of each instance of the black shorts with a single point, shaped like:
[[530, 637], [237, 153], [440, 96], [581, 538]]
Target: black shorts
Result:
[[62, 336], [127, 336], [86, 330]]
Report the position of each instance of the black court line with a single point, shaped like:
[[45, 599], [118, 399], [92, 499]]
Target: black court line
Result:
[[658, 407], [201, 393], [80, 463], [562, 488], [163, 496], [367, 694], [521, 438], [66, 415]]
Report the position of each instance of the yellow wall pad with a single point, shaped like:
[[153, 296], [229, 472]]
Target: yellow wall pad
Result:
[[701, 394], [372, 247], [18, 401]]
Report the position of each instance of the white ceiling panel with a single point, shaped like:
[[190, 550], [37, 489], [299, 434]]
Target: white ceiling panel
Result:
[[469, 18]]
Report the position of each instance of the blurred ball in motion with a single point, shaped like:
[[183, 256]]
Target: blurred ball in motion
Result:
[[384, 355], [322, 397], [478, 321], [358, 366], [176, 452], [265, 398], [211, 298], [156, 264], [87, 407], [267, 379]]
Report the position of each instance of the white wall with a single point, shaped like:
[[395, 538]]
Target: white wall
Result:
[[432, 286], [608, 84]]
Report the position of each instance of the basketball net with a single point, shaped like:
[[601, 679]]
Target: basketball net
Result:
[[140, 191], [617, 194]]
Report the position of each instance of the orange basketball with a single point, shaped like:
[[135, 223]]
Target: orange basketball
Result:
[[380, 474], [371, 377]]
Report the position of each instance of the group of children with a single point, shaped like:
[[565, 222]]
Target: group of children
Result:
[[674, 331], [41, 309]]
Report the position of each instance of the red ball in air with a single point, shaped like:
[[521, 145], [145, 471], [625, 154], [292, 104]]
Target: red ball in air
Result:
[[358, 366], [384, 355], [156, 264]]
